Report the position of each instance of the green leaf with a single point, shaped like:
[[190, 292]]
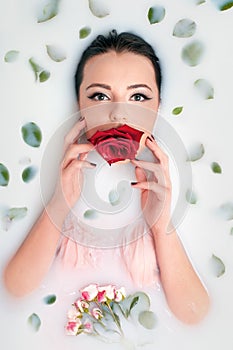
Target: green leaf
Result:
[[223, 5], [44, 75], [55, 53], [216, 168], [137, 303], [31, 134], [35, 67], [97, 9], [4, 175], [204, 88], [156, 14], [196, 153], [29, 173], [34, 322], [218, 266], [11, 56], [226, 6], [16, 213], [191, 197], [114, 197], [84, 32], [147, 319], [50, 299], [50, 10], [226, 211], [192, 53], [177, 110], [133, 303], [90, 214], [199, 2], [184, 28]]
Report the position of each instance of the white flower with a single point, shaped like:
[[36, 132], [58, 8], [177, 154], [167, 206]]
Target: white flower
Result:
[[97, 313], [72, 327], [81, 305], [72, 314], [120, 294], [109, 291], [90, 292]]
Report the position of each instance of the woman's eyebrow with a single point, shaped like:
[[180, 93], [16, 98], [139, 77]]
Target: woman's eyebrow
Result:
[[105, 86], [135, 86]]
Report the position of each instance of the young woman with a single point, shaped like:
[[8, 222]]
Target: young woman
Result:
[[115, 69]]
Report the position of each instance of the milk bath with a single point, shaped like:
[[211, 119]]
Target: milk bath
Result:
[[203, 231]]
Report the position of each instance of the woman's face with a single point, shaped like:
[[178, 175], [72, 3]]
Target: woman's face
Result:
[[113, 77]]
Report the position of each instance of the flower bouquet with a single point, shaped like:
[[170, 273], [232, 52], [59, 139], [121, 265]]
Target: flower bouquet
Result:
[[100, 311]]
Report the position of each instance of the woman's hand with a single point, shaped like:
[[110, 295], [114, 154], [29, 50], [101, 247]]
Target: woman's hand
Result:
[[69, 185], [154, 181]]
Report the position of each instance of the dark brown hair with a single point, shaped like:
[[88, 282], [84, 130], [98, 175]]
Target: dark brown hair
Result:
[[123, 42]]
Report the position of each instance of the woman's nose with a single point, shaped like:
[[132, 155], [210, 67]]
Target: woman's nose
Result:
[[118, 113]]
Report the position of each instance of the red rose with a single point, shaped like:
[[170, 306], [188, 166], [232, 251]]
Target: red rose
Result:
[[117, 144]]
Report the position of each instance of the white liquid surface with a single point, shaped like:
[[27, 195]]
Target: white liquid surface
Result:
[[209, 122]]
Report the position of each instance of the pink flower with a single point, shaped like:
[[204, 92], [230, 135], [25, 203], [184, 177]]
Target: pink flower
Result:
[[72, 327], [90, 292], [120, 294], [117, 144], [97, 313], [88, 327], [109, 292], [81, 305]]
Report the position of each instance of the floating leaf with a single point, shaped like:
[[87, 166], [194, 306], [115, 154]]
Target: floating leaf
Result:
[[31, 134], [177, 110], [196, 153], [114, 197], [136, 303], [44, 75], [184, 28], [226, 211], [90, 214], [191, 197], [55, 53], [84, 32], [16, 213], [199, 2], [50, 299], [40, 73], [35, 67], [49, 11], [98, 9], [4, 175], [29, 173], [11, 56], [218, 266], [205, 89], [223, 5], [216, 168], [34, 322], [156, 14], [147, 319], [192, 53]]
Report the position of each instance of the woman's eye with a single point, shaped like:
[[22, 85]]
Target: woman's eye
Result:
[[98, 96], [139, 97]]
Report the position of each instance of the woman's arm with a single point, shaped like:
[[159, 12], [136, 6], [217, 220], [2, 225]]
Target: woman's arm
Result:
[[29, 265], [184, 291]]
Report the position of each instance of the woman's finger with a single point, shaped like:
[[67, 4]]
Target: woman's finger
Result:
[[74, 151], [155, 168], [79, 164], [74, 133], [157, 151], [152, 186]]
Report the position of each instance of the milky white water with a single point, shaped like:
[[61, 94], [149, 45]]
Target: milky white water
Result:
[[203, 231]]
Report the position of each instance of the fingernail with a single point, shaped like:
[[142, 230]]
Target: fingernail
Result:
[[94, 164], [133, 183], [148, 137], [152, 136], [81, 118]]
